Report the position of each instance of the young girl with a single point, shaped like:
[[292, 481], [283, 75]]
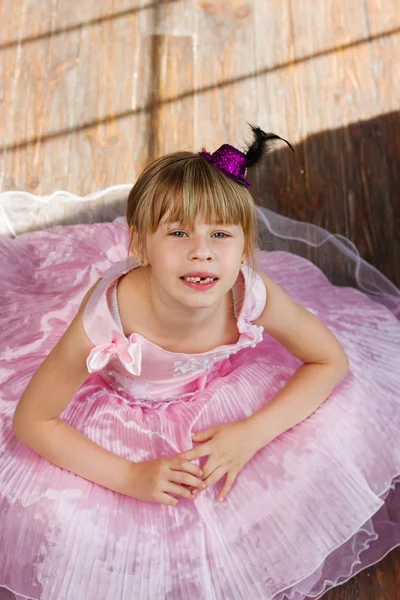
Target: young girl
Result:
[[184, 415]]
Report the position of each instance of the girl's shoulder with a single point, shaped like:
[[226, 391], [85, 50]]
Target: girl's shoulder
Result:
[[250, 294], [97, 320]]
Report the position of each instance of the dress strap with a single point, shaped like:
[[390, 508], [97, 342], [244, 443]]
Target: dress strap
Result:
[[255, 295], [98, 323]]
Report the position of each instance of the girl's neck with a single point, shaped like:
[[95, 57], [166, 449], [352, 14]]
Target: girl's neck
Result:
[[171, 321]]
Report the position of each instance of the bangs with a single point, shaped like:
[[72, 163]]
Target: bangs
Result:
[[196, 189]]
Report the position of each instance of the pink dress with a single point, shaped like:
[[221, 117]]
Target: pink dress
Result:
[[307, 512]]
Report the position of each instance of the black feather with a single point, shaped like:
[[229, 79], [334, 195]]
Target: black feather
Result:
[[260, 145]]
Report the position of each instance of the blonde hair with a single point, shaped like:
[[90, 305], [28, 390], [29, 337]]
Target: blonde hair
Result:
[[181, 186]]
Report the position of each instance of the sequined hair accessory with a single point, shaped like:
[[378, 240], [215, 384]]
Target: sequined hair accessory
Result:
[[234, 163]]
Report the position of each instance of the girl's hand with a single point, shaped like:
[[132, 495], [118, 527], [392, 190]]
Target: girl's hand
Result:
[[229, 447], [155, 480]]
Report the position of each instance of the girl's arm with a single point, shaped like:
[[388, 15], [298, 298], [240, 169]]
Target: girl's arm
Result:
[[307, 338], [36, 421]]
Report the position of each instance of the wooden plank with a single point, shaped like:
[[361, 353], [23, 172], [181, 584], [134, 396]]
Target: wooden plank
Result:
[[107, 146], [90, 115], [23, 19], [167, 17], [75, 103], [383, 16], [171, 104], [30, 20], [169, 27], [226, 93], [380, 582], [325, 26]]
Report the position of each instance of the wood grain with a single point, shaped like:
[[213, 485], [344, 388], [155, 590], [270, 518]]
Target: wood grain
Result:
[[88, 97], [225, 75]]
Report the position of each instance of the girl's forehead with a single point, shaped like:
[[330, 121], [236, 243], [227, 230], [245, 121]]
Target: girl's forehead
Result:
[[198, 222], [169, 219]]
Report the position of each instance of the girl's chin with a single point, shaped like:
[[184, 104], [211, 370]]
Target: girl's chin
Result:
[[199, 300]]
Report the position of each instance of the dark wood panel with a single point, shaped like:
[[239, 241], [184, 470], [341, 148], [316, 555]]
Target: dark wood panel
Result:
[[380, 582], [346, 180]]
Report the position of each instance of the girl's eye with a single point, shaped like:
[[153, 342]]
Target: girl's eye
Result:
[[177, 232], [221, 233]]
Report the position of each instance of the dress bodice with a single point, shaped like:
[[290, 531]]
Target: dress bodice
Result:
[[143, 371]]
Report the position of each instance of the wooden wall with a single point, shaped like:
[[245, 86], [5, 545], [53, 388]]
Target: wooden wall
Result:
[[90, 92]]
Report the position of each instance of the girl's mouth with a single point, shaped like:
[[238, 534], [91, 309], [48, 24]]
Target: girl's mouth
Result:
[[200, 283]]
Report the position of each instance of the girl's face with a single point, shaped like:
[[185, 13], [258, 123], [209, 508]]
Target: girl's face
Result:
[[197, 266]]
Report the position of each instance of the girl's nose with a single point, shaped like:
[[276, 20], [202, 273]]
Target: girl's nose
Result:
[[200, 249]]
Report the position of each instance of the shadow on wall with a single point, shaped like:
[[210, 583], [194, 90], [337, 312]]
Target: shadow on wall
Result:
[[346, 180]]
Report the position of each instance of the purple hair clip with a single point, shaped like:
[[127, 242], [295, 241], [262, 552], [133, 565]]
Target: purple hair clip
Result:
[[234, 163], [230, 161]]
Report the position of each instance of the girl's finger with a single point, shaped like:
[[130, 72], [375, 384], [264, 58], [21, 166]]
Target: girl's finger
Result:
[[177, 490], [229, 480], [167, 499], [209, 467], [186, 465], [186, 479], [214, 477], [197, 452]]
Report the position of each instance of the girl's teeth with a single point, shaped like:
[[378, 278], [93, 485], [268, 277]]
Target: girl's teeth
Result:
[[198, 279]]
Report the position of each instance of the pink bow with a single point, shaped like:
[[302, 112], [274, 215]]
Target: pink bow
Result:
[[130, 355]]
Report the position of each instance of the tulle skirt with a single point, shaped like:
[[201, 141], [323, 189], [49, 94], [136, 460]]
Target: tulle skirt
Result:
[[310, 510]]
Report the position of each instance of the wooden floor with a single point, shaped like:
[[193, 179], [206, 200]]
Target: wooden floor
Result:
[[88, 97]]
